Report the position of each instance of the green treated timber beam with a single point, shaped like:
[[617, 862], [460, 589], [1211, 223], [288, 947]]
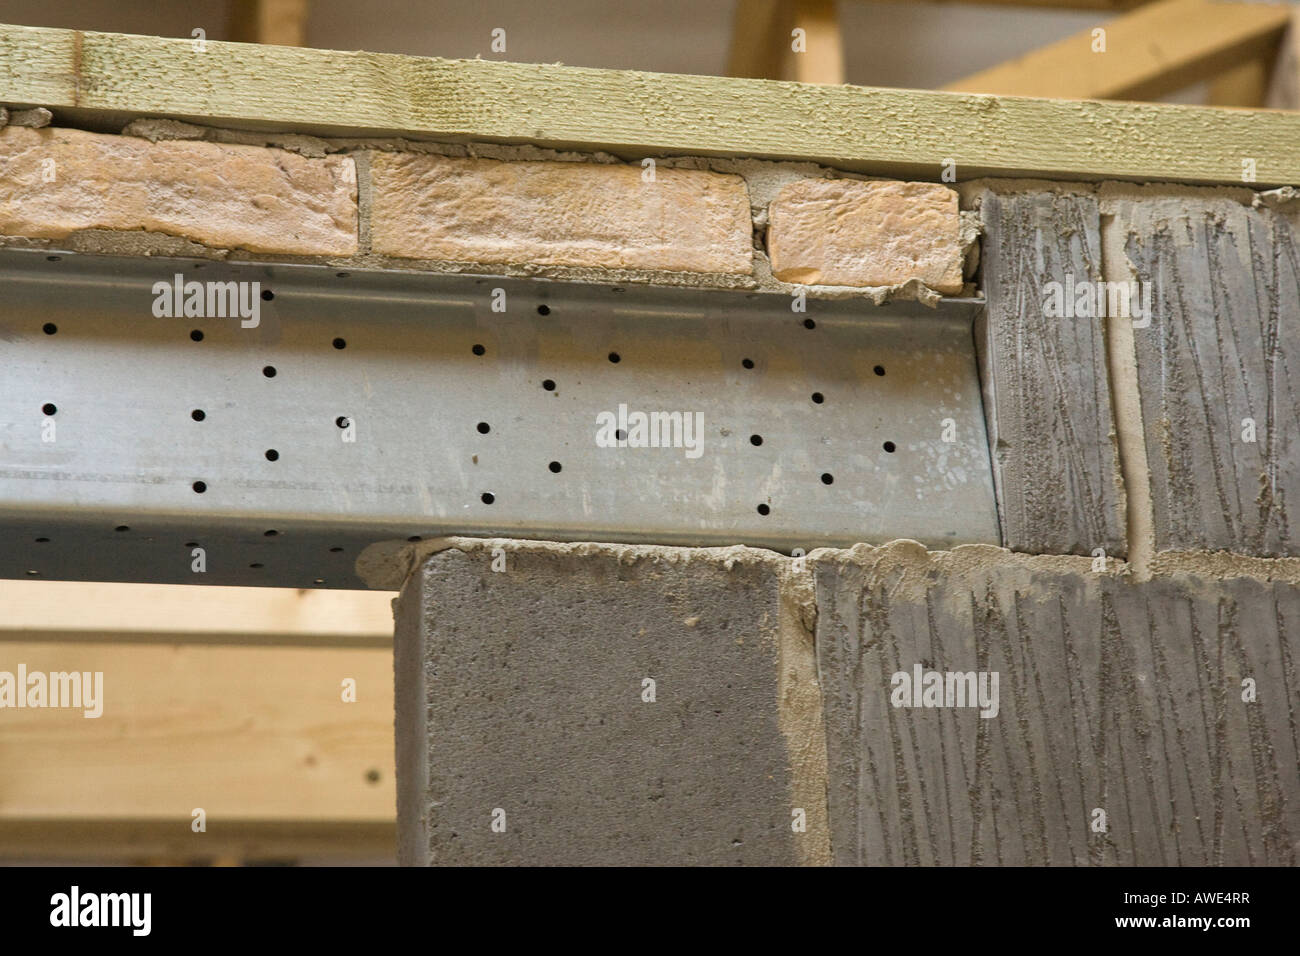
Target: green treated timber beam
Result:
[[101, 80]]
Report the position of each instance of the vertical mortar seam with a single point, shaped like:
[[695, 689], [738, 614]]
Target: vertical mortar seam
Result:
[[365, 200], [806, 740], [1126, 410]]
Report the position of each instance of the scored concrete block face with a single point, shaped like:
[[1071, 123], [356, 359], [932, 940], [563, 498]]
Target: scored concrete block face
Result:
[[1046, 387], [852, 233], [1127, 723], [606, 705], [54, 182], [1218, 366], [560, 214]]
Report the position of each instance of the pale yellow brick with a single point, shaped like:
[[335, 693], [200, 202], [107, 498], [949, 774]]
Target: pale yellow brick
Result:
[[854, 233], [559, 214], [54, 182]]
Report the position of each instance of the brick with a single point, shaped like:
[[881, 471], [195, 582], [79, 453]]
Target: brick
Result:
[[1113, 694], [852, 233], [1219, 361], [522, 690], [560, 214], [235, 197], [1046, 381]]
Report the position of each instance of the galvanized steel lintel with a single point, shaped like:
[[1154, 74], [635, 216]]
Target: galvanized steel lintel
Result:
[[366, 406]]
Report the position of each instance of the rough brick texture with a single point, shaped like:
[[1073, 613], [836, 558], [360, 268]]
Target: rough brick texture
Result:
[[853, 233], [522, 690], [559, 214], [1116, 696], [236, 197]]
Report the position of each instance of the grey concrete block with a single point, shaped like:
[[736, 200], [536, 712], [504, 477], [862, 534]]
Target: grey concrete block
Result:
[[1113, 695], [521, 691], [1219, 365], [1047, 398]]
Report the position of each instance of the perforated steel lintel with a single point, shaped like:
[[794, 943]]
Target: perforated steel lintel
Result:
[[370, 406]]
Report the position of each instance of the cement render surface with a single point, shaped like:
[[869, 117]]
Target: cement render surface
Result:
[[1045, 378], [1218, 368], [1116, 697]]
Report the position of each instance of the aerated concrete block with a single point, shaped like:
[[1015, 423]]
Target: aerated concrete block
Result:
[[529, 732], [1219, 366], [1142, 723], [1046, 388]]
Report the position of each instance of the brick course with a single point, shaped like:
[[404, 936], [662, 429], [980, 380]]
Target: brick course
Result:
[[54, 182], [559, 214], [853, 233]]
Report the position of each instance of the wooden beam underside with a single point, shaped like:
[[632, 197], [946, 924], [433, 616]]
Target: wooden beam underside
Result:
[[48, 611], [245, 733], [1244, 85], [1153, 51], [168, 841], [1045, 4], [102, 80], [1284, 86], [225, 699]]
